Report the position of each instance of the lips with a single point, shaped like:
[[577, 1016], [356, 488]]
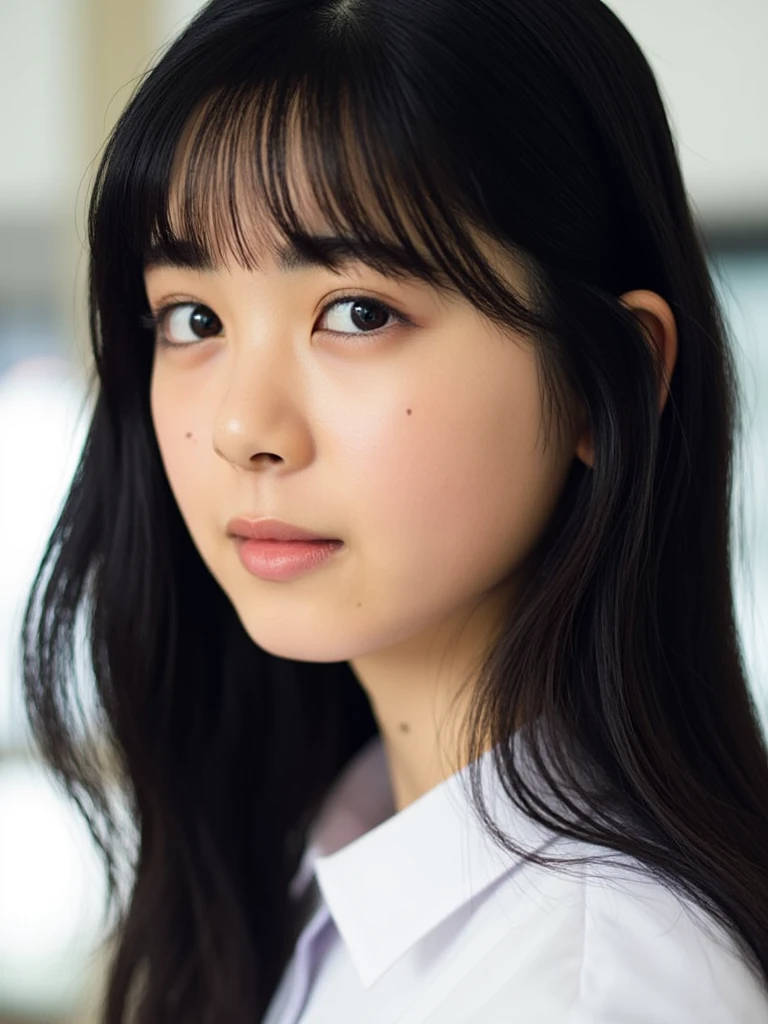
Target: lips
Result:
[[281, 560], [271, 529]]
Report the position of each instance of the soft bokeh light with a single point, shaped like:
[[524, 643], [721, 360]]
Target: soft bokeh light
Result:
[[43, 418], [52, 894]]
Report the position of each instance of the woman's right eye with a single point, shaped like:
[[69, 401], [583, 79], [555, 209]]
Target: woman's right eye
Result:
[[186, 323]]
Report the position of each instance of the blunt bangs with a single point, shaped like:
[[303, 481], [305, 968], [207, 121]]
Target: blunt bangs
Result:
[[329, 168]]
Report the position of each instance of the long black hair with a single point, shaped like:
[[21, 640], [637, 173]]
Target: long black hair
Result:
[[538, 123]]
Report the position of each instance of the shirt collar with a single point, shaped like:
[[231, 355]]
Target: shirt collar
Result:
[[389, 878]]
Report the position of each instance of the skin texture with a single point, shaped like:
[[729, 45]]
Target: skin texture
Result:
[[420, 447]]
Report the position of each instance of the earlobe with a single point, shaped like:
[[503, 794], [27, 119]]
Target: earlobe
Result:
[[584, 449], [659, 323]]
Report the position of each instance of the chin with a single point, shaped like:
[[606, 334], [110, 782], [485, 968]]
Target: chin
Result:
[[287, 640]]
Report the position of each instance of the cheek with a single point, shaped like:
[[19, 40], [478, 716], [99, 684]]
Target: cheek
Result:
[[458, 492], [178, 429], [165, 418]]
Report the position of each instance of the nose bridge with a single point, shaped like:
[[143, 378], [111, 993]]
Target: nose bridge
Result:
[[259, 411]]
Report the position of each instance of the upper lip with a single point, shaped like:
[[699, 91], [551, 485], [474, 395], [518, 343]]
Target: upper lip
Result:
[[269, 529]]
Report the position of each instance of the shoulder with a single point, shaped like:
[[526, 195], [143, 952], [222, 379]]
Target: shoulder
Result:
[[605, 942], [652, 954]]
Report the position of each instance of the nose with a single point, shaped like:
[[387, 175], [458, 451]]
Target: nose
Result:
[[260, 423]]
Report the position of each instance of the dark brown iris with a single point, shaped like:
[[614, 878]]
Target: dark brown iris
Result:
[[204, 322], [369, 314]]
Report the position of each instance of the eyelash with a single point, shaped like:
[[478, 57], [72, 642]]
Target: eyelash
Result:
[[154, 321]]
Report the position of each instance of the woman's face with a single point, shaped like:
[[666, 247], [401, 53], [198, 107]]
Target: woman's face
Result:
[[294, 394]]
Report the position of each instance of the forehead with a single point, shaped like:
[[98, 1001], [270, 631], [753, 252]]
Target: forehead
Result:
[[223, 207], [248, 182]]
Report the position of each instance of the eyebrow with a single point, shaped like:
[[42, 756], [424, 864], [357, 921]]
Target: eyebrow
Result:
[[334, 251]]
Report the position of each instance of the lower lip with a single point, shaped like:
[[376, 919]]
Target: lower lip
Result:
[[284, 559]]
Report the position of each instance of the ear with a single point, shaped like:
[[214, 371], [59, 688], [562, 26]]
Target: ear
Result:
[[660, 327]]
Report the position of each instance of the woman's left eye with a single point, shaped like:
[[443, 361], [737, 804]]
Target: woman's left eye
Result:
[[367, 315]]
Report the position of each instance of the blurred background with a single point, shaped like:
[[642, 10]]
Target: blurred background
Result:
[[68, 68]]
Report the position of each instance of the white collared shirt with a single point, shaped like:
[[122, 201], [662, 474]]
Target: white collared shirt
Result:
[[420, 919]]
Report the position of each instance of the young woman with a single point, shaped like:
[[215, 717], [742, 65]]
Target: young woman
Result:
[[401, 535]]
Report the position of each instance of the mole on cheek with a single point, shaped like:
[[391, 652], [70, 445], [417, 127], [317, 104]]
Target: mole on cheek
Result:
[[404, 727], [188, 434], [409, 411]]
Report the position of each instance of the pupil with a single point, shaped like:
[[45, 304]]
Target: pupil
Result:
[[369, 318], [204, 321]]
